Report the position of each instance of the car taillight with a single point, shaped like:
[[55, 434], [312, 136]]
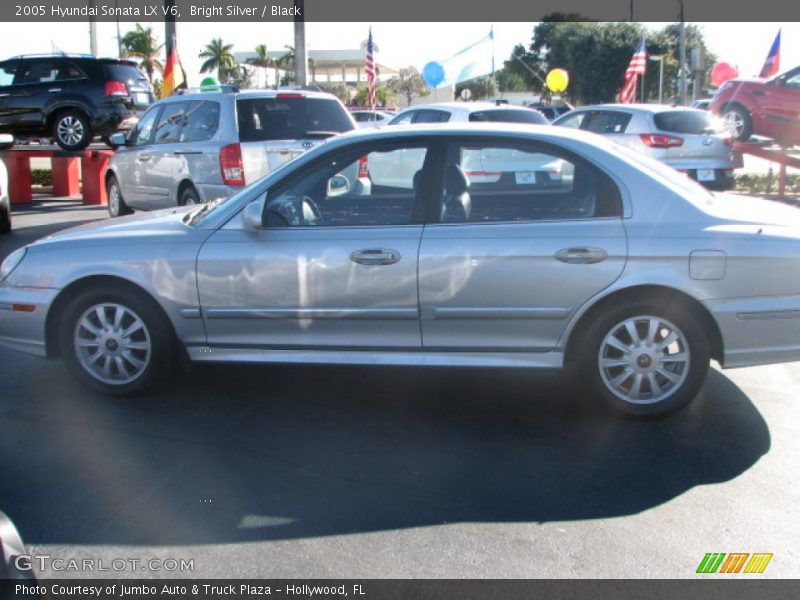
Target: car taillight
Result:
[[363, 167], [230, 164], [659, 140], [116, 88]]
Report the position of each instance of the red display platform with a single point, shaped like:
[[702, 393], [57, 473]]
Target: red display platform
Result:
[[784, 156], [66, 175]]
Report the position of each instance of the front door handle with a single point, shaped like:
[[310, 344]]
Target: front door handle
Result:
[[4, 95], [375, 256], [581, 255], [143, 157], [54, 90], [759, 93]]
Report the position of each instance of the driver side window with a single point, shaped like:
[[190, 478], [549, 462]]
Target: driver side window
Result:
[[378, 188], [143, 132]]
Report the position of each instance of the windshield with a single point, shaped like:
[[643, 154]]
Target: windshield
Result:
[[693, 122], [289, 118]]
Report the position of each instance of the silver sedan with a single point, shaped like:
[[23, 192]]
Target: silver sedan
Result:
[[443, 250]]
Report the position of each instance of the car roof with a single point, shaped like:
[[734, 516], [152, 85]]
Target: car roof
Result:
[[645, 108], [469, 107], [245, 94]]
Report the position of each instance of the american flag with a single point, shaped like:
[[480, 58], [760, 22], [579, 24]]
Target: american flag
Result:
[[369, 67], [635, 68]]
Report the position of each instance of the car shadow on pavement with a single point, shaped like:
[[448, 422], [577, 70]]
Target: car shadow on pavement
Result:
[[243, 453]]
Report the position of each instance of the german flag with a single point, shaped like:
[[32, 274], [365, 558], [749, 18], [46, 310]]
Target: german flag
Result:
[[174, 75]]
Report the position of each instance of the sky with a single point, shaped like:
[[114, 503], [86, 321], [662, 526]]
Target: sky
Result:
[[399, 44]]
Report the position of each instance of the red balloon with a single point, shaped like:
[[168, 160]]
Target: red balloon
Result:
[[722, 72]]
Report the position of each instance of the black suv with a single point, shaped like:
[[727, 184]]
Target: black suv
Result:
[[70, 98]]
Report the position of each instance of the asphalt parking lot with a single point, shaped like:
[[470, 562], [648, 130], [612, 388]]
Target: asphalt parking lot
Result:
[[393, 472]]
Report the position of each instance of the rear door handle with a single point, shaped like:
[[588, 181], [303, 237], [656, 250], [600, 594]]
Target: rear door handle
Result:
[[375, 256], [581, 255], [54, 90], [187, 152], [4, 95]]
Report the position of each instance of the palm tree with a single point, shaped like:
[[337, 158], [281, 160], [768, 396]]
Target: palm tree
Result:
[[141, 43], [261, 59], [218, 55]]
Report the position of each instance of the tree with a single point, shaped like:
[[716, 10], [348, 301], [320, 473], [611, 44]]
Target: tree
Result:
[[218, 55], [340, 90], [479, 87], [384, 95], [261, 60], [409, 83], [142, 44]]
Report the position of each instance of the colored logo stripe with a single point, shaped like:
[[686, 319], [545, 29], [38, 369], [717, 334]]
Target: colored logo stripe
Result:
[[734, 562], [758, 563], [711, 562]]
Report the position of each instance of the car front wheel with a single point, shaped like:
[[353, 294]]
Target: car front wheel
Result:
[[645, 361], [117, 342], [116, 203]]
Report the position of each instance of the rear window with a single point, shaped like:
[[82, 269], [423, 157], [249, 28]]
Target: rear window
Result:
[[123, 72], [510, 116], [610, 121], [687, 121], [264, 119]]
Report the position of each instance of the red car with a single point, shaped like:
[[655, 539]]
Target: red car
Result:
[[765, 107]]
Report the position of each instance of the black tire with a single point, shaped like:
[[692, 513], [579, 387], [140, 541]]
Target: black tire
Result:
[[116, 203], [645, 360], [739, 122], [157, 334], [72, 130], [188, 196], [5, 220]]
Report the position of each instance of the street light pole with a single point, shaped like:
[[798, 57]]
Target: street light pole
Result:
[[660, 59], [300, 57], [682, 71]]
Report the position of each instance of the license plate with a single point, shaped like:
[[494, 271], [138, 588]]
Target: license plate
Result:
[[525, 177], [705, 175], [141, 98]]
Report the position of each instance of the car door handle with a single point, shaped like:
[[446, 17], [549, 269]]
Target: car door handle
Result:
[[187, 152], [54, 90], [4, 95], [143, 157], [375, 256], [581, 255], [759, 93]]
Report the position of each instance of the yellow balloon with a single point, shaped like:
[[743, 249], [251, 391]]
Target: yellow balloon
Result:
[[557, 80]]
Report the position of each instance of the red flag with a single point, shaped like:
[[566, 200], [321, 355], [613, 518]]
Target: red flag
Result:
[[635, 68], [773, 63]]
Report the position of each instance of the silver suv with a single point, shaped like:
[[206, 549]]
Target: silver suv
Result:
[[195, 147]]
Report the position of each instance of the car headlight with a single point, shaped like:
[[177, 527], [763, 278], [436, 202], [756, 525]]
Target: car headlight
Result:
[[11, 262]]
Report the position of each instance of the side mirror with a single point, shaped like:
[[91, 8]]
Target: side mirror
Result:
[[338, 185], [252, 215], [115, 140], [6, 141]]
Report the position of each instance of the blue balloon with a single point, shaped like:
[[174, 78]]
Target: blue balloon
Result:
[[433, 73]]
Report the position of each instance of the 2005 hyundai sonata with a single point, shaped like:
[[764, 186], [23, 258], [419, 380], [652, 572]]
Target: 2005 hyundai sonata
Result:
[[440, 245]]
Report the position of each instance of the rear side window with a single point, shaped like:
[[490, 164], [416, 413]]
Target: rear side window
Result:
[[39, 71], [432, 116], [686, 121], [510, 116], [295, 118], [202, 121], [122, 72], [599, 121]]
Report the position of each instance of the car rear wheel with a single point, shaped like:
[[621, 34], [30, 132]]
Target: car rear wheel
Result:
[[116, 203], [188, 196], [72, 130], [644, 360], [116, 342], [738, 122]]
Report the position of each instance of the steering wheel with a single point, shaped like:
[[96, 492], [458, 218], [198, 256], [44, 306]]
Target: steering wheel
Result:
[[310, 211]]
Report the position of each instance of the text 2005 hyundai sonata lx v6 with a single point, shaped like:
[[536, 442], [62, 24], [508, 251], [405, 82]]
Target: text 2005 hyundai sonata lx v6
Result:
[[429, 246]]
